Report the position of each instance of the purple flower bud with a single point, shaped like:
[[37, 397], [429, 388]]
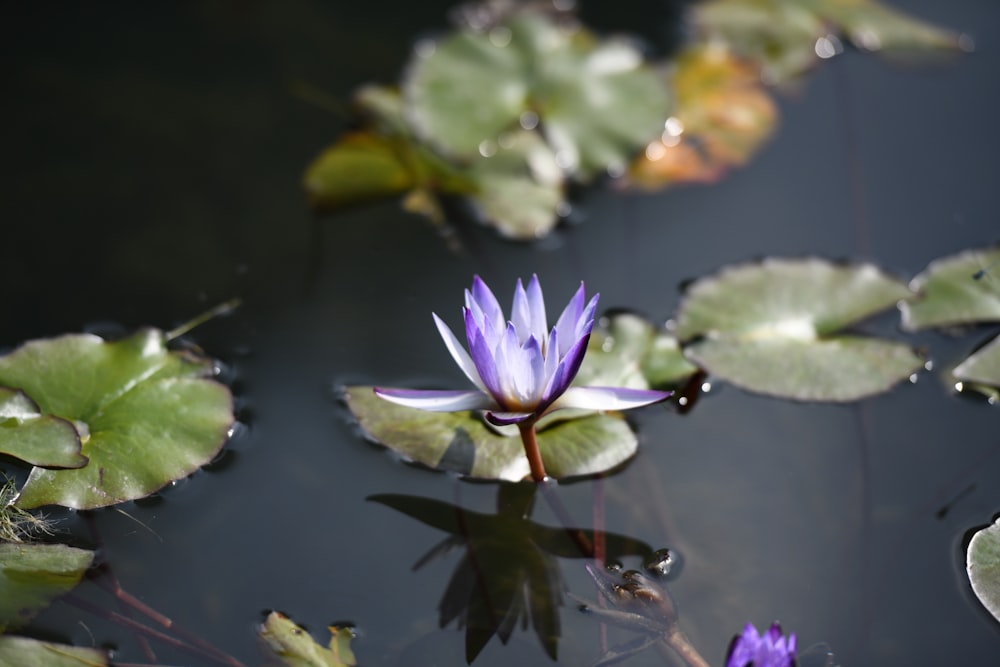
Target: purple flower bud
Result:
[[770, 650]]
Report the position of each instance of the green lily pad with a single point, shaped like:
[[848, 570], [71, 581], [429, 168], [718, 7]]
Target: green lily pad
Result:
[[519, 185], [960, 289], [462, 442], [596, 101], [25, 652], [778, 35], [626, 350], [983, 566], [42, 440], [874, 26], [31, 575], [381, 160], [293, 646], [145, 415], [782, 35], [981, 370], [773, 328]]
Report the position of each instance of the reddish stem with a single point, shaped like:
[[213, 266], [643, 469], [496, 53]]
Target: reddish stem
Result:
[[530, 441]]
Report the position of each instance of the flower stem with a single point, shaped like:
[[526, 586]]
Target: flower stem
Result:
[[531, 451]]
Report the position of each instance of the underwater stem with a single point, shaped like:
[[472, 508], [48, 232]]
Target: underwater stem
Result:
[[531, 451], [682, 647]]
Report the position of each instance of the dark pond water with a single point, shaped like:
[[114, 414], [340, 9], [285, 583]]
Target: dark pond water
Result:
[[153, 161]]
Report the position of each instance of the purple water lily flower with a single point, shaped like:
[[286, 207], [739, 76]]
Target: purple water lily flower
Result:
[[770, 650], [521, 370]]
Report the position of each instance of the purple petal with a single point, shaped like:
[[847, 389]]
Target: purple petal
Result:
[[566, 370], [520, 316], [458, 352], [437, 401], [586, 321], [568, 319], [482, 357], [536, 309], [551, 352], [520, 369], [506, 418], [607, 398], [488, 304]]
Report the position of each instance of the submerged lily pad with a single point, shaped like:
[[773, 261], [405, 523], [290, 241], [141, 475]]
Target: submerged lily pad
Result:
[[462, 442], [983, 566], [25, 652], [773, 327], [596, 101], [42, 440], [145, 415], [960, 289], [31, 575], [626, 350], [294, 647]]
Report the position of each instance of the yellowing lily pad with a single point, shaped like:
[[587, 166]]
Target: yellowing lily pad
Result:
[[461, 442], [595, 101], [983, 567], [25, 652], [145, 415], [774, 328], [292, 646], [31, 575], [722, 117]]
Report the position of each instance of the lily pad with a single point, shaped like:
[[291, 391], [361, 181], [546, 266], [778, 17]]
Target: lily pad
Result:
[[874, 26], [596, 101], [960, 289], [145, 415], [722, 117], [773, 328], [783, 35], [626, 350], [25, 652], [519, 185], [291, 645], [31, 575], [42, 440], [981, 370], [983, 566], [462, 442], [378, 161], [779, 36]]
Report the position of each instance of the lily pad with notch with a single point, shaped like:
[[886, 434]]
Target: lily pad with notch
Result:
[[777, 327], [145, 415], [462, 442]]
